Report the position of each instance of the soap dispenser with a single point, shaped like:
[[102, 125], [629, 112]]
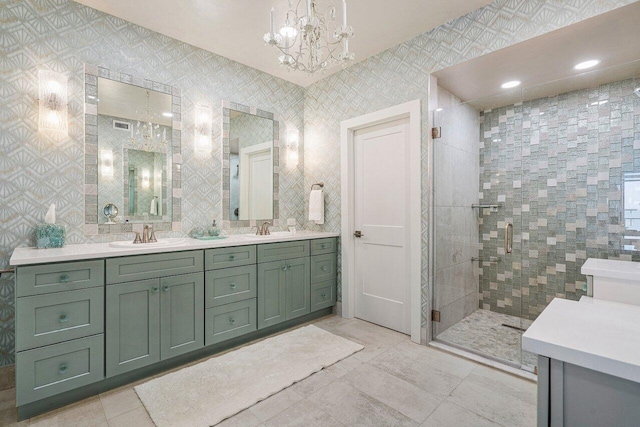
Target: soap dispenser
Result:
[[213, 230]]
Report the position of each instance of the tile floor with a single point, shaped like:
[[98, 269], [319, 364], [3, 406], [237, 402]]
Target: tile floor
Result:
[[391, 382], [482, 332]]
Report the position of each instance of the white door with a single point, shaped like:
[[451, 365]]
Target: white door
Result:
[[382, 216], [256, 182]]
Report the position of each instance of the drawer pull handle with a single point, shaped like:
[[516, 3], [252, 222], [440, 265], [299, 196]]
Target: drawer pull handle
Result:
[[232, 320], [165, 288], [323, 295], [63, 318], [64, 278], [154, 289], [232, 285], [232, 257], [323, 246], [63, 368], [325, 268]]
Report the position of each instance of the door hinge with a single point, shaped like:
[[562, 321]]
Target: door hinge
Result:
[[435, 315], [436, 133]]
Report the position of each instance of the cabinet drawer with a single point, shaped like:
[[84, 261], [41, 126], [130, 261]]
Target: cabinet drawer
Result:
[[230, 321], [323, 246], [50, 319], [142, 267], [323, 267], [229, 257], [67, 276], [57, 368], [230, 285], [323, 295], [281, 251]]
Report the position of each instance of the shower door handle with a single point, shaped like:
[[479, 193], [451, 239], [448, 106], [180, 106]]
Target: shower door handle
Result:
[[508, 238]]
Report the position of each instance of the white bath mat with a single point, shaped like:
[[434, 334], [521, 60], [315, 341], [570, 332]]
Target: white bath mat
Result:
[[211, 391]]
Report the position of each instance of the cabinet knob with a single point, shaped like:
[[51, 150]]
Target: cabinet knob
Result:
[[63, 368], [154, 289], [325, 268], [323, 246], [323, 295], [64, 278], [232, 257], [165, 288], [284, 268], [63, 318], [232, 320], [232, 285]]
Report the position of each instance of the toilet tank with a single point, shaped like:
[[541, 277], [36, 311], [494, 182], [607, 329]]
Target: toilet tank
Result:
[[613, 280]]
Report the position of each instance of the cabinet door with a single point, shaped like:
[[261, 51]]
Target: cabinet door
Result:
[[181, 314], [298, 288], [133, 332], [271, 293]]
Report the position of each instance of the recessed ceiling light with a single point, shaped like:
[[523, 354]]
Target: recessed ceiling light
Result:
[[511, 84], [439, 109], [587, 64], [167, 114]]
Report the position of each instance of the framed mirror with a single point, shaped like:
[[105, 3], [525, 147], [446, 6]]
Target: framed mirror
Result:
[[133, 152], [251, 165]]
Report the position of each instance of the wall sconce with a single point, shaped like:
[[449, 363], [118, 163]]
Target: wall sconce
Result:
[[106, 163], [145, 178], [52, 103], [204, 119], [293, 137]]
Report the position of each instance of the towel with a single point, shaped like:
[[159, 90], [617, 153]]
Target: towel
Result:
[[153, 209], [316, 206]]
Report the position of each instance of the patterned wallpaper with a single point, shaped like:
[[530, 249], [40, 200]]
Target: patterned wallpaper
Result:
[[401, 74], [558, 166], [36, 170]]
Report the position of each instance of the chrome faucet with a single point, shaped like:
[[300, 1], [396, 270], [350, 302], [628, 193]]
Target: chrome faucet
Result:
[[264, 230]]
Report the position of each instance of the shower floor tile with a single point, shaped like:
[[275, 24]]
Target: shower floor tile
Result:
[[483, 332]]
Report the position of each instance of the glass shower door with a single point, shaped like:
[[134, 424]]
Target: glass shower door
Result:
[[477, 175]]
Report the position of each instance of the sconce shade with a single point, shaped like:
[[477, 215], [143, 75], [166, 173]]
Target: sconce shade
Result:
[[52, 103], [203, 127], [293, 136], [106, 163]]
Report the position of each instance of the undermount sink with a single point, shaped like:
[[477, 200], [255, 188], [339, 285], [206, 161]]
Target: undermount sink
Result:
[[273, 235], [163, 243]]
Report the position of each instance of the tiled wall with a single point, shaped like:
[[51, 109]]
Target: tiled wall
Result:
[[36, 170], [401, 74], [557, 165]]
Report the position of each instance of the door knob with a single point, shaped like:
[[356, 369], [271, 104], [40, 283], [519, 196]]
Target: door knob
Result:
[[358, 234]]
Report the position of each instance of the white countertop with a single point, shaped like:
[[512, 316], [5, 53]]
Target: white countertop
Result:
[[26, 256], [598, 335], [614, 269]]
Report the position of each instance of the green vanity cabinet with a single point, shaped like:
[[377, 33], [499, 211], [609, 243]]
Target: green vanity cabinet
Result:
[[283, 291], [152, 320], [132, 327]]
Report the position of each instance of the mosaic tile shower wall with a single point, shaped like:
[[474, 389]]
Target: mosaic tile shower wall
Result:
[[558, 165], [401, 74], [36, 170]]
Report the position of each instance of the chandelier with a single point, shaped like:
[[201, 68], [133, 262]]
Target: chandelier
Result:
[[305, 41], [145, 128]]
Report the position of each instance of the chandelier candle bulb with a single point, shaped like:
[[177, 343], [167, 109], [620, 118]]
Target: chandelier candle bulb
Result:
[[273, 26], [344, 13]]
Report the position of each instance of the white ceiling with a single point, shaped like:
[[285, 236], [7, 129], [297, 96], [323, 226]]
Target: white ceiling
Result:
[[545, 64], [234, 28]]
